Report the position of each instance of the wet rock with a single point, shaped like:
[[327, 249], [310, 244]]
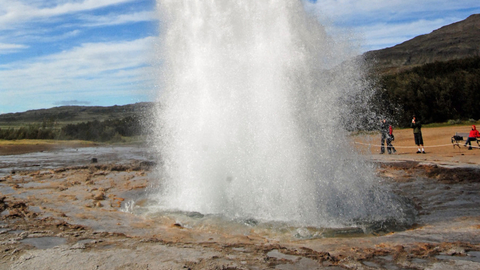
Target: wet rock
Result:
[[117, 202], [69, 197], [36, 234], [3, 204], [78, 246], [98, 195], [100, 173], [177, 225], [89, 205], [456, 251], [17, 210], [64, 225]]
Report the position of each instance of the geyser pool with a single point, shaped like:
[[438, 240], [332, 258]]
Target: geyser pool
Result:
[[251, 118]]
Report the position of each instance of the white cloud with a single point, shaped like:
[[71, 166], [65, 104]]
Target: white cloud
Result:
[[22, 21], [6, 48], [14, 12], [382, 35], [119, 19], [386, 10], [105, 72], [92, 69], [45, 38], [71, 102], [381, 24]]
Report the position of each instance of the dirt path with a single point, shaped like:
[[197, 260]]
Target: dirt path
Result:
[[437, 141]]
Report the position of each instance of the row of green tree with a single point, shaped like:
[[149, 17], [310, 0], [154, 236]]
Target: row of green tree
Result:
[[435, 93], [28, 132], [108, 130]]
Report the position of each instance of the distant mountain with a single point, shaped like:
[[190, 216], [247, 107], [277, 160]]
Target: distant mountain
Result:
[[77, 113], [455, 41]]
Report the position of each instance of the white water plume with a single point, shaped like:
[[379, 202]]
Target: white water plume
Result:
[[250, 117]]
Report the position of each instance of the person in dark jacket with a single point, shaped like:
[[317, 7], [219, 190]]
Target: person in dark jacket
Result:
[[386, 132], [417, 134], [474, 134]]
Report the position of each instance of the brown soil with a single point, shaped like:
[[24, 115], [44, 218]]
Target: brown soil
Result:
[[14, 149], [29, 146]]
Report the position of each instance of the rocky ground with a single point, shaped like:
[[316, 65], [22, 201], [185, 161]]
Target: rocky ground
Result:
[[77, 218]]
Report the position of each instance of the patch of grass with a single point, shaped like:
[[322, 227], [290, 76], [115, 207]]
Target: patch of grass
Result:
[[458, 123]]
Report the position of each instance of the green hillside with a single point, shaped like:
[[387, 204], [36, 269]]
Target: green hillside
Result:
[[435, 76], [455, 41], [77, 123], [436, 92], [74, 114]]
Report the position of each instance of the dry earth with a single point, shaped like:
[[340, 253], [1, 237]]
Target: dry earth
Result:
[[72, 218]]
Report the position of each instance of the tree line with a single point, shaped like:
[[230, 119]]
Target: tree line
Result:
[[436, 92], [102, 131]]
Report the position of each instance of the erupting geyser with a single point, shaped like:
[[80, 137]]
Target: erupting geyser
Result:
[[252, 113]]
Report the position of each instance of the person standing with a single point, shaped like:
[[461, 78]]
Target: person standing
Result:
[[386, 133], [474, 134], [390, 138], [417, 134]]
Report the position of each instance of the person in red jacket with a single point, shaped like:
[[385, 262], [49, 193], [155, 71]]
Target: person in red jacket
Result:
[[387, 136], [474, 134], [390, 138]]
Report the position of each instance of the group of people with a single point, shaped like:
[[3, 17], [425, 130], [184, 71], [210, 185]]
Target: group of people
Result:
[[387, 136]]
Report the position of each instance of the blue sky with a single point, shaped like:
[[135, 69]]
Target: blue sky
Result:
[[99, 52]]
